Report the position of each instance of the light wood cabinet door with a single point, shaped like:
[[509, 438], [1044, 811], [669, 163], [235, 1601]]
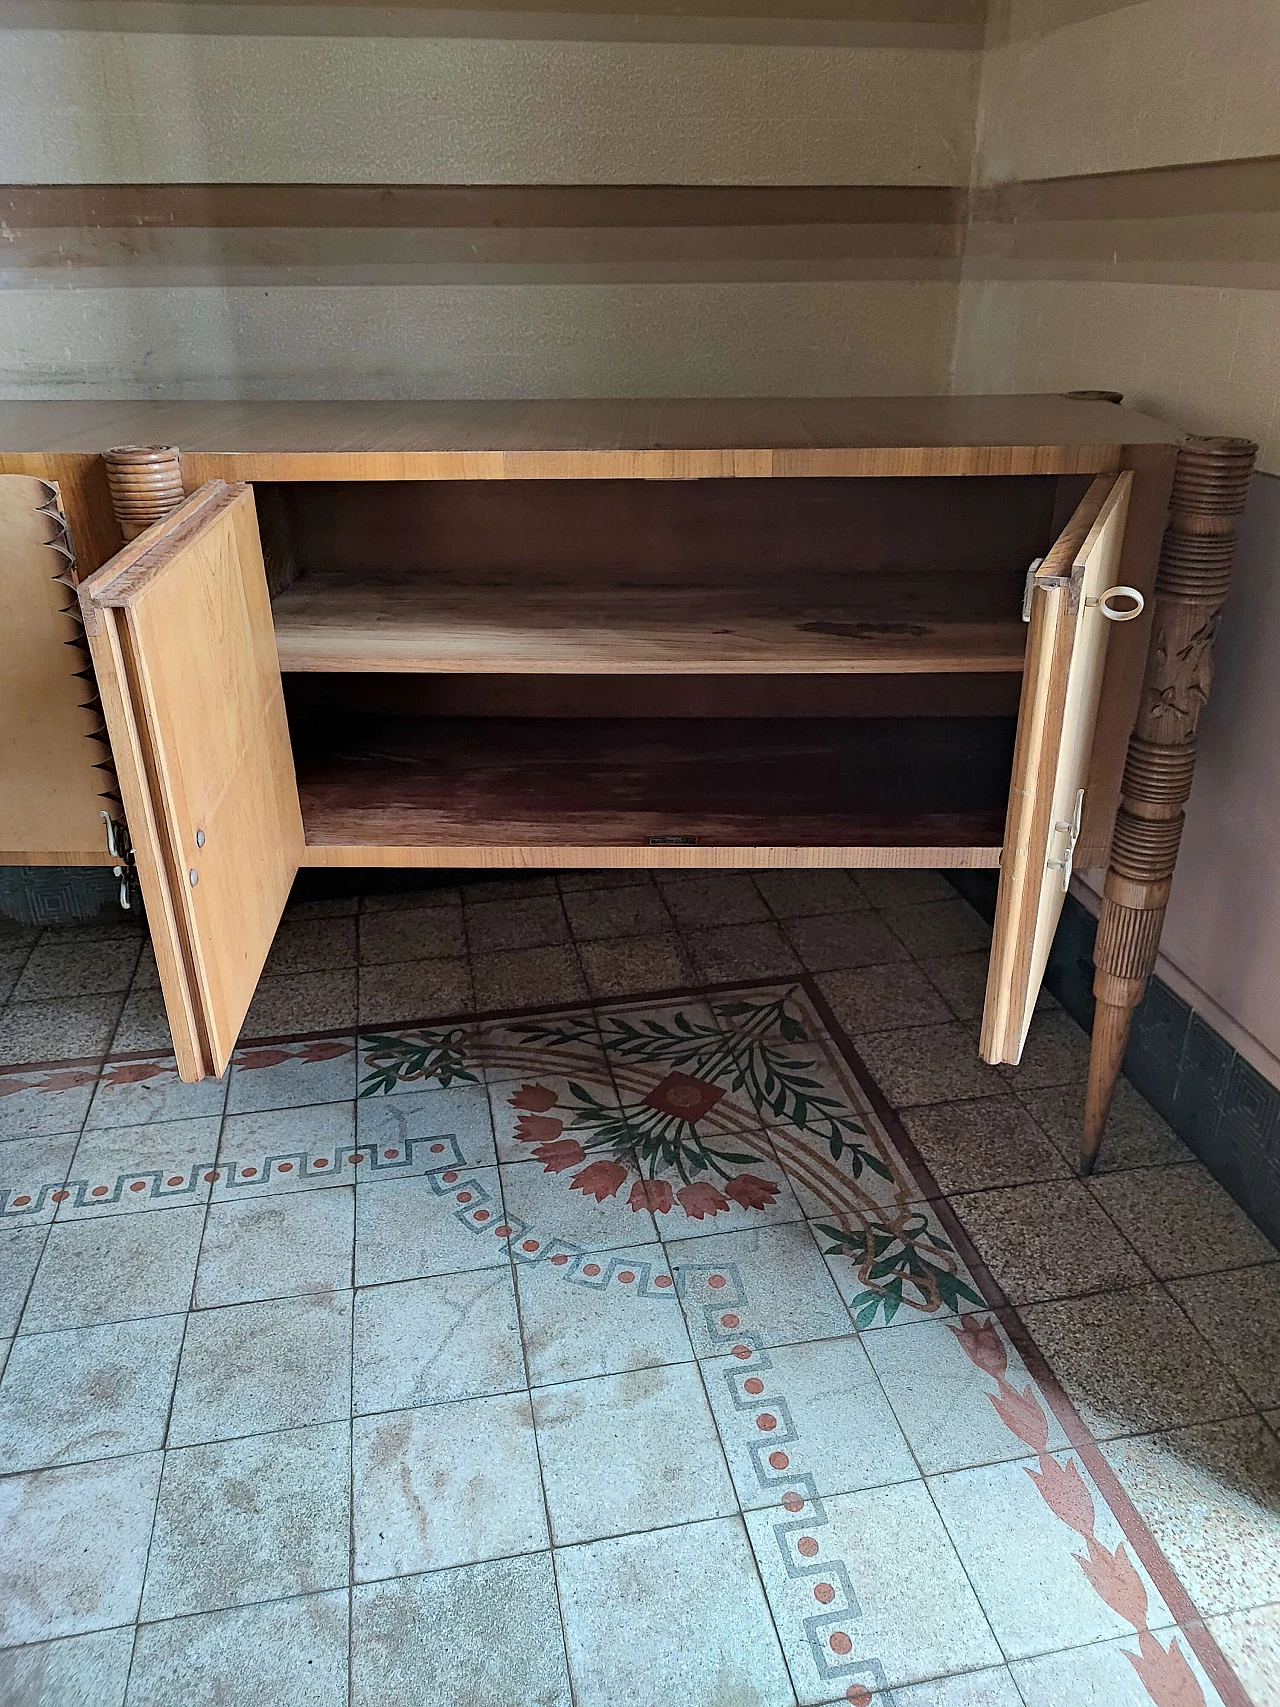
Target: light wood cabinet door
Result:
[[1066, 653], [180, 629]]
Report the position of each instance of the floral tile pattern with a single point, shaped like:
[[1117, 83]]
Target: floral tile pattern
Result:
[[622, 1348]]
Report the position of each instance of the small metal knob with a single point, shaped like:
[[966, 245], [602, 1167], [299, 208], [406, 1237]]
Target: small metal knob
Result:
[[199, 838], [193, 877]]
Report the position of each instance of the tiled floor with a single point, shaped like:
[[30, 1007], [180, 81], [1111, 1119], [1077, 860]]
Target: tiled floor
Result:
[[529, 1320]]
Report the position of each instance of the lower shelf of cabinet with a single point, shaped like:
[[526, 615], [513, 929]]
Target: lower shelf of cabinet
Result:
[[528, 792]]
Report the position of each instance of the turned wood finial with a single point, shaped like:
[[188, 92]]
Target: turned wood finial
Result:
[[145, 483], [1210, 487]]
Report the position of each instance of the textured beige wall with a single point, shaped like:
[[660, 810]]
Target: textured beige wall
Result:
[[748, 92]]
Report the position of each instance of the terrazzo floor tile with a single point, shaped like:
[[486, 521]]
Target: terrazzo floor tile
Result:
[[292, 1651], [248, 1368], [445, 1485], [128, 1170], [408, 1229], [61, 1575], [1250, 1642], [302, 1001], [758, 1194], [1035, 1593], [20, 1249], [1182, 1221], [475, 1636], [927, 1063], [992, 1687], [277, 1247], [33, 1174], [960, 979], [938, 927], [1048, 1241], [942, 1399], [410, 900], [142, 1024], [867, 1591], [248, 1520], [1239, 1315], [829, 942], [421, 1342], [576, 1324], [315, 1142], [59, 969], [1056, 1053], [889, 888], [1135, 1137], [311, 945], [12, 960], [417, 933], [390, 993], [138, 1093], [1103, 1675], [570, 881], [526, 977], [805, 1415], [793, 894], [534, 1108], [774, 1283], [1130, 1361], [685, 1620], [88, 1393], [596, 1215], [741, 951], [79, 1671], [627, 965], [116, 1269], [921, 1275], [409, 1123], [622, 1453], [495, 927], [44, 1102], [71, 1027], [701, 902], [596, 914], [1211, 1497], [293, 1075], [870, 998], [973, 1146]]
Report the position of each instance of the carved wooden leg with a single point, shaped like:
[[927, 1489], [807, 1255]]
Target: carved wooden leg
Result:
[[145, 483], [1210, 486]]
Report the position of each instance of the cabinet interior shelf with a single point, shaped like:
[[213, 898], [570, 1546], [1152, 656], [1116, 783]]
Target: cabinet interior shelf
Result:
[[727, 782], [414, 622]]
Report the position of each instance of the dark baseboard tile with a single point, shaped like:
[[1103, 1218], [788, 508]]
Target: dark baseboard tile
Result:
[[1218, 1104]]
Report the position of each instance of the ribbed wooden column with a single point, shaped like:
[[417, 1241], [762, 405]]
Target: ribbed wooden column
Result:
[[1210, 486], [145, 483]]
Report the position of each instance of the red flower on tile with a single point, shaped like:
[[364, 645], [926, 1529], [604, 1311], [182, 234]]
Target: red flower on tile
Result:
[[983, 1344], [68, 1080], [1115, 1577], [252, 1058], [1021, 1414], [751, 1191], [684, 1097], [1063, 1490], [537, 1098], [324, 1049], [701, 1199], [559, 1154], [599, 1180], [133, 1072], [538, 1128], [653, 1194], [1165, 1673]]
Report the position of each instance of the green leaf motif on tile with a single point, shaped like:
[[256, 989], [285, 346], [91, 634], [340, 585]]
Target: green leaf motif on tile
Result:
[[439, 1057], [903, 1261]]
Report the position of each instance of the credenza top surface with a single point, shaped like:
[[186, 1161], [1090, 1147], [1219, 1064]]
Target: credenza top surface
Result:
[[347, 428]]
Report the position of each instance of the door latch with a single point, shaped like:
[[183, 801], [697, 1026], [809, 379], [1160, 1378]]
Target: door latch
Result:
[[1035, 579], [1072, 832], [119, 848]]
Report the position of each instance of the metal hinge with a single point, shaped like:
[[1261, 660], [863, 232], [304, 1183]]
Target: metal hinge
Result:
[[119, 847], [1034, 580], [1072, 832]]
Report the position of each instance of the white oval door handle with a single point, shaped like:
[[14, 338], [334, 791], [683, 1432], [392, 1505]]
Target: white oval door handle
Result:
[[1112, 615]]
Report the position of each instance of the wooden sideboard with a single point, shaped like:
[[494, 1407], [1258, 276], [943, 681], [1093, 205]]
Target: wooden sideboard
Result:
[[689, 633]]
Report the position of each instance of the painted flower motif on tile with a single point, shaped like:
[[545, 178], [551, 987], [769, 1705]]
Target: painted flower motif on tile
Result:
[[399, 1058], [537, 1099], [599, 1180]]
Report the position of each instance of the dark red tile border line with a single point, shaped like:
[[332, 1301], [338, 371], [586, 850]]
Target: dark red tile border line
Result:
[[1135, 1530]]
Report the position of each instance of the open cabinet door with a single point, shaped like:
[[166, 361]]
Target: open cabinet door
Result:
[[179, 625], [1070, 615]]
